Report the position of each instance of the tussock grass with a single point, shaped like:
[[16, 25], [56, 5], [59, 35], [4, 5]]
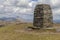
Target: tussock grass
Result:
[[8, 33]]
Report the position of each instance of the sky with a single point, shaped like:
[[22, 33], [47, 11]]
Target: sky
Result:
[[25, 8]]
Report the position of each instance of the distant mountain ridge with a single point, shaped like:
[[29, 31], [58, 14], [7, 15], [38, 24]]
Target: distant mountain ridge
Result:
[[8, 19], [56, 21], [12, 19]]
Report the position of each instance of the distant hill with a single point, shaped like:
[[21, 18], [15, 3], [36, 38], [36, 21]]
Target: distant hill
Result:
[[14, 19], [8, 19], [56, 21]]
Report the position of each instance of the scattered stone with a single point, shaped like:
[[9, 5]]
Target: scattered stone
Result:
[[1, 25], [57, 29]]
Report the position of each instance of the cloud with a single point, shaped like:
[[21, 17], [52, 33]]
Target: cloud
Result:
[[55, 2], [23, 2], [14, 8], [56, 9]]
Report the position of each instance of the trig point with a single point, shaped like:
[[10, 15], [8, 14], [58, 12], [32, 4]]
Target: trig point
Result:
[[42, 16]]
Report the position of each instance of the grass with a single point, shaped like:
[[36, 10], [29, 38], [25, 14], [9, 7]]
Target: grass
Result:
[[8, 33]]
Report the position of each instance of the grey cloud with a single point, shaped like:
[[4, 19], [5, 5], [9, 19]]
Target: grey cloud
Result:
[[14, 8]]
